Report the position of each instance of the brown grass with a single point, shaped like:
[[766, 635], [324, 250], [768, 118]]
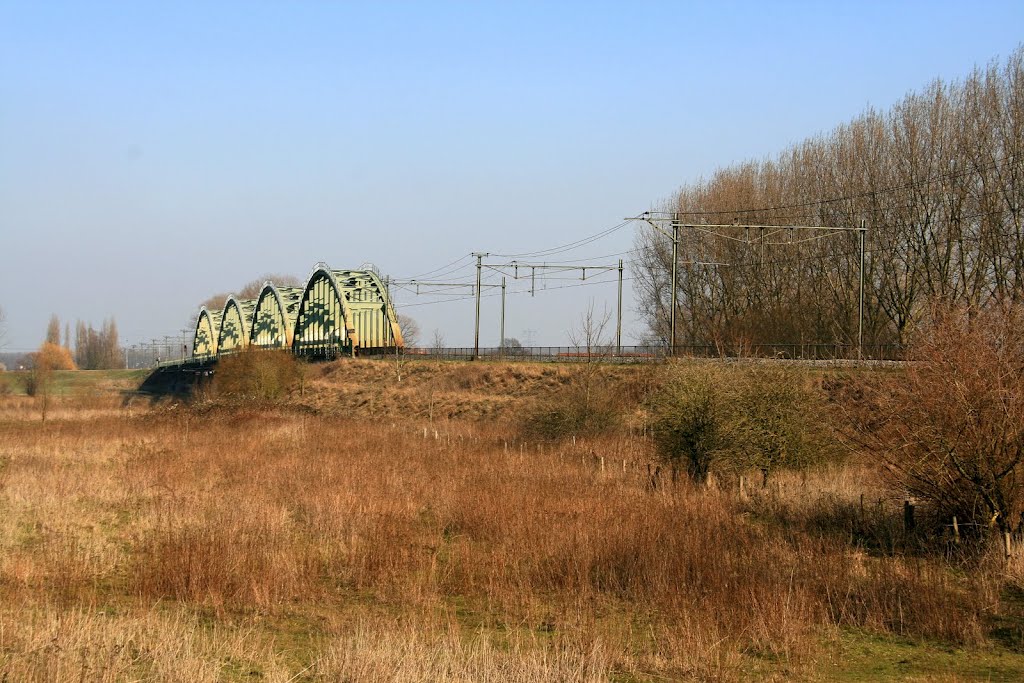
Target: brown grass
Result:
[[452, 389], [171, 544]]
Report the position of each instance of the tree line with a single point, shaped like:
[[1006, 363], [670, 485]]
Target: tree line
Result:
[[94, 349], [938, 181]]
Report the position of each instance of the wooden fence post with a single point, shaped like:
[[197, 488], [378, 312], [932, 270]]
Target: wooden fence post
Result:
[[908, 516]]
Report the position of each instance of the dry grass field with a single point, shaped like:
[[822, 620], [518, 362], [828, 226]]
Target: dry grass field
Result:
[[371, 529]]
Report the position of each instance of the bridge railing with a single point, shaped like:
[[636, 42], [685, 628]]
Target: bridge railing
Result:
[[603, 353], [816, 352]]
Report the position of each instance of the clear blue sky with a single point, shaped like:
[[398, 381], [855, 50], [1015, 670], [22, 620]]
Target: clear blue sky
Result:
[[152, 154]]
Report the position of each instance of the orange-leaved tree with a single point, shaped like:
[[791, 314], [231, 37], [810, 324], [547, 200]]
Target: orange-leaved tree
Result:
[[44, 362]]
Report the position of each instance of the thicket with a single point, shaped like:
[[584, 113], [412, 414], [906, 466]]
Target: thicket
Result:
[[938, 180], [592, 399], [257, 375], [588, 404], [950, 431], [708, 418]]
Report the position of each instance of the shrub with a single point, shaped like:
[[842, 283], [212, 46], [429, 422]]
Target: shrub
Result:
[[36, 382], [53, 357], [952, 432], [766, 417], [588, 405], [690, 419], [778, 421], [43, 362], [257, 375]]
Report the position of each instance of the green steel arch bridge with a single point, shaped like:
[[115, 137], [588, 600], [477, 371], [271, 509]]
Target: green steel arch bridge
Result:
[[337, 313]]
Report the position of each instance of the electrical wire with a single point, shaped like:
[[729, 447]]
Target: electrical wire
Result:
[[454, 267], [514, 292], [568, 246], [437, 270]]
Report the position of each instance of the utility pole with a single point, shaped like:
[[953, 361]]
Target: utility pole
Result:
[[390, 304], [618, 316], [501, 344], [653, 218], [861, 233], [675, 283], [476, 334]]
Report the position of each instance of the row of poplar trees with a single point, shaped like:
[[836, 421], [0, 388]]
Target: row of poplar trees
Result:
[[94, 349], [938, 181]]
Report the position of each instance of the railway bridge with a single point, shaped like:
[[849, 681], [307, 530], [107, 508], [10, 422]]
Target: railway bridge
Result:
[[336, 313]]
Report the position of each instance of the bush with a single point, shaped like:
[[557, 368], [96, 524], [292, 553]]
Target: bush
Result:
[[768, 418], [36, 382], [42, 364], [952, 431], [691, 424], [257, 375], [779, 421], [53, 357], [588, 405]]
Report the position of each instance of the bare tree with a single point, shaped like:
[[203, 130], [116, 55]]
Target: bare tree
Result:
[[250, 290], [939, 181], [98, 349], [589, 333], [214, 302], [53, 331], [410, 330], [3, 326], [511, 346], [438, 342]]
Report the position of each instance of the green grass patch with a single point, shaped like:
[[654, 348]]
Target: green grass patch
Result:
[[859, 656], [78, 382]]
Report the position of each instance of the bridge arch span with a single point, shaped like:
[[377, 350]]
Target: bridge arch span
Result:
[[344, 311], [273, 316], [235, 323], [207, 333]]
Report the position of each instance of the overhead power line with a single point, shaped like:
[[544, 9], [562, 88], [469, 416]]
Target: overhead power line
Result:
[[570, 246], [436, 272]]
